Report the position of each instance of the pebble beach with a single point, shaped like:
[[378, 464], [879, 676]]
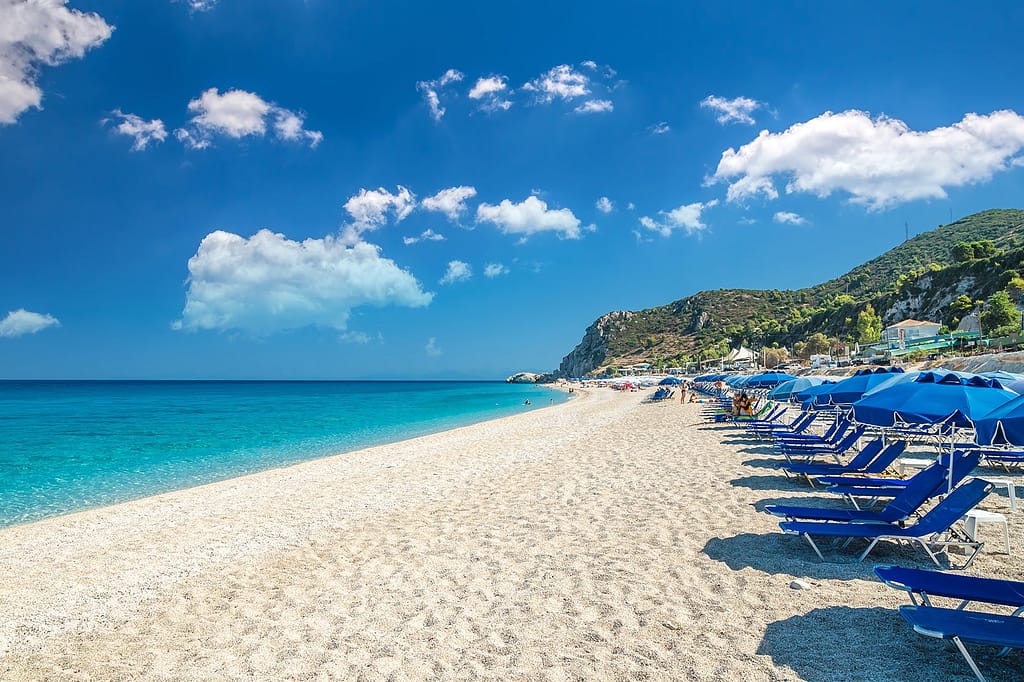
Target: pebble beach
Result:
[[606, 538]]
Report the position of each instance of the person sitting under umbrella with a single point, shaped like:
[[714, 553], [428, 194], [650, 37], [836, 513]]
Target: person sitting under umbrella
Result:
[[742, 405]]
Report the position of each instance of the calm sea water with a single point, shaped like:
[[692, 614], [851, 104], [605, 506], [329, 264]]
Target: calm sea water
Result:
[[66, 446]]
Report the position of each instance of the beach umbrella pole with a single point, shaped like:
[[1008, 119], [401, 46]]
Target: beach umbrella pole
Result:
[[952, 444]]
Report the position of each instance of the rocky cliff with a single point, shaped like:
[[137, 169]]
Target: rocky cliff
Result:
[[593, 349]]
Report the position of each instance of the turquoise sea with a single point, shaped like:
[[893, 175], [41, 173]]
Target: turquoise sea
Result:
[[72, 445]]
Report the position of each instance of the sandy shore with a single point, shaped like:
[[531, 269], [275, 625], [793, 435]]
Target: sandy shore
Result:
[[602, 539]]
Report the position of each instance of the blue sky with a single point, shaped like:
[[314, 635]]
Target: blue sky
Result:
[[289, 189]]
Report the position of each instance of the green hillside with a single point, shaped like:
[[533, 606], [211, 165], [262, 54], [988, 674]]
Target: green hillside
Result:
[[917, 278], [1003, 227]]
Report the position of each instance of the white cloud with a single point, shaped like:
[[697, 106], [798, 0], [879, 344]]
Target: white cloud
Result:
[[432, 349], [142, 131], [371, 207], [530, 217], [451, 201], [787, 218], [641, 237], [604, 205], [288, 126], [268, 283], [362, 338], [879, 162], [425, 236], [594, 106], [687, 217], [487, 86], [736, 110], [488, 91], [631, 206], [458, 271], [238, 114], [201, 5], [35, 34], [21, 322], [495, 270], [431, 91], [562, 82], [659, 128]]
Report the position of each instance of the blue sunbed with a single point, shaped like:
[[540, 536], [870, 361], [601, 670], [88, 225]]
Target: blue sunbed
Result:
[[921, 585], [852, 486], [967, 627], [934, 528], [874, 458], [924, 486]]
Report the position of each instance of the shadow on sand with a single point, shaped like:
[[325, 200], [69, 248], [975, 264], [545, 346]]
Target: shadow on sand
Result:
[[741, 441], [844, 643], [819, 502], [782, 554], [764, 463], [772, 482], [760, 450]]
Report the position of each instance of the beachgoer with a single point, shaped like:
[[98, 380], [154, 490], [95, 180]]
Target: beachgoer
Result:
[[742, 405], [682, 393], [526, 402]]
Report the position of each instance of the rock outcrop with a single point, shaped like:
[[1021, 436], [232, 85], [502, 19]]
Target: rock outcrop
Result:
[[591, 352], [530, 378]]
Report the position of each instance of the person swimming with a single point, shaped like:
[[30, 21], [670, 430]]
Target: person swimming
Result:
[[526, 402]]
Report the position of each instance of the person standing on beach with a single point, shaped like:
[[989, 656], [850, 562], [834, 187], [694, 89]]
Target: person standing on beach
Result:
[[682, 393]]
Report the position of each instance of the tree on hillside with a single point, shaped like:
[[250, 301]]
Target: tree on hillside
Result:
[[868, 327], [773, 357], [967, 251], [959, 307], [1015, 287], [985, 249], [963, 252], [817, 344], [999, 315]]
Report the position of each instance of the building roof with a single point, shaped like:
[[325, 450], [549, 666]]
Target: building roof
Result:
[[914, 323]]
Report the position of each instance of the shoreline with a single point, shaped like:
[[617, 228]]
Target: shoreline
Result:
[[135, 483], [598, 538]]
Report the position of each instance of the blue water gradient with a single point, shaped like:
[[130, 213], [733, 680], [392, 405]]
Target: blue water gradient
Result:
[[72, 445]]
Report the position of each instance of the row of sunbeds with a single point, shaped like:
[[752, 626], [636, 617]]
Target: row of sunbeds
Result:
[[889, 508]]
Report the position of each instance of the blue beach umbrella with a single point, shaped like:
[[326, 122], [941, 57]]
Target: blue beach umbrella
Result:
[[1010, 380], [899, 378], [670, 381], [1003, 375], [1004, 424], [853, 388], [933, 398], [808, 393], [767, 380], [808, 397], [788, 389]]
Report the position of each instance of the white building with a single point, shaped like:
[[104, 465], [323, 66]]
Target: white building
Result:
[[908, 330]]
